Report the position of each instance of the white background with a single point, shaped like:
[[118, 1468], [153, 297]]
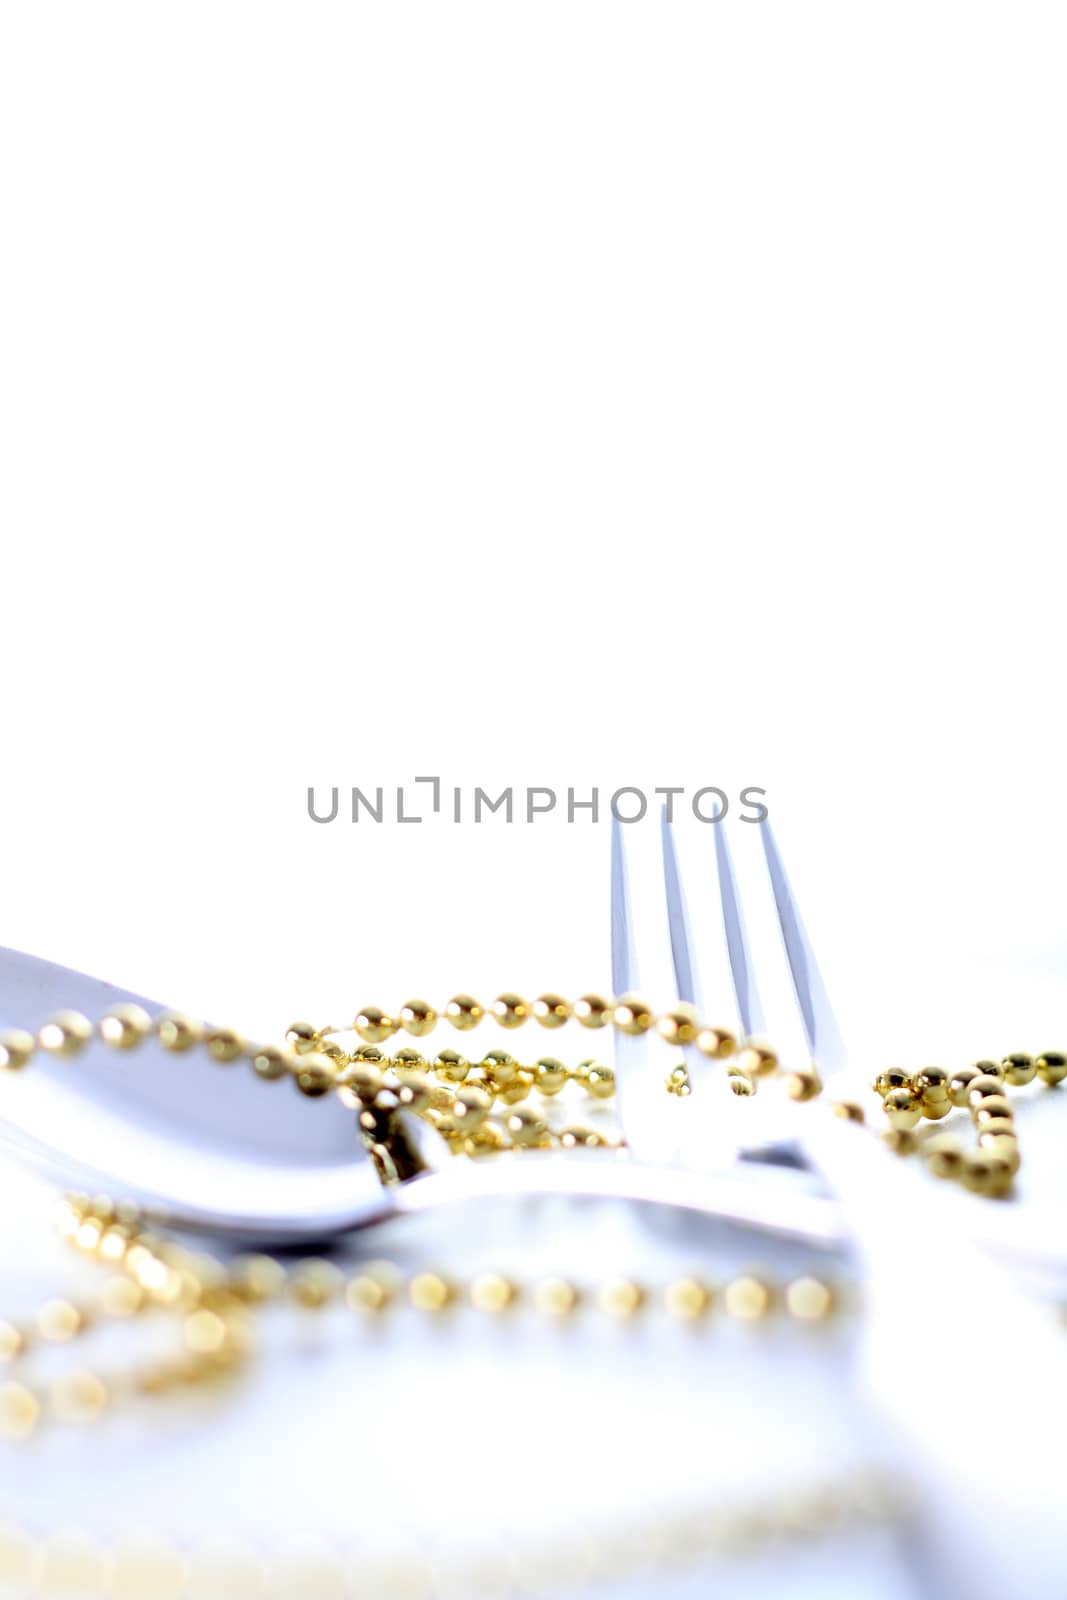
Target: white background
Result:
[[566, 394], [558, 394]]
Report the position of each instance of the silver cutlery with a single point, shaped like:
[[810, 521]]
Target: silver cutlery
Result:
[[942, 1322]]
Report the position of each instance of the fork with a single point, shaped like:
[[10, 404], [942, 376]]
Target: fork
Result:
[[937, 1312]]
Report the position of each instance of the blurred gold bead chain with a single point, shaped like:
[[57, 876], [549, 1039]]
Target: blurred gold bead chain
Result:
[[214, 1301], [151, 1566]]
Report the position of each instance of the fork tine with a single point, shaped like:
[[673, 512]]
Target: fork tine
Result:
[[631, 1051], [820, 1025], [677, 918], [623, 953], [746, 992]]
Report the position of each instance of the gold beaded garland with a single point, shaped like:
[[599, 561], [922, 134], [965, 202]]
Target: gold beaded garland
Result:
[[459, 1098]]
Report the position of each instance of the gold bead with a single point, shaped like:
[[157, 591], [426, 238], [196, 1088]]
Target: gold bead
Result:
[[810, 1300], [88, 1234], [1002, 1146], [71, 1563], [931, 1085], [19, 1560], [373, 1287], [1019, 1069], [418, 1018], [525, 1127], [747, 1298], [987, 1173], [901, 1108], [741, 1084], [204, 1332], [486, 1140], [931, 1080], [148, 1566], [995, 1128], [621, 1298], [121, 1297], [451, 1065], [516, 1089], [373, 1025], [223, 1045], [407, 1061], [19, 1410], [125, 1026], [302, 1037], [599, 1081], [316, 1075], [944, 1156], [499, 1067], [372, 1054], [12, 1341], [891, 1078], [678, 1080], [313, 1284], [982, 1087], [470, 1107], [755, 1058], [257, 1278], [429, 1292], [577, 1137], [416, 1093], [679, 1026], [719, 1044], [510, 1010], [114, 1243], [550, 1075], [803, 1085], [901, 1141], [365, 1080], [1051, 1066], [59, 1320], [77, 1397], [994, 1105], [178, 1032], [270, 1062], [989, 1069], [593, 1011], [556, 1297], [464, 1012], [442, 1096], [491, 1293], [16, 1049], [687, 1299], [848, 1110], [551, 1010], [960, 1083], [66, 1034], [631, 1015]]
